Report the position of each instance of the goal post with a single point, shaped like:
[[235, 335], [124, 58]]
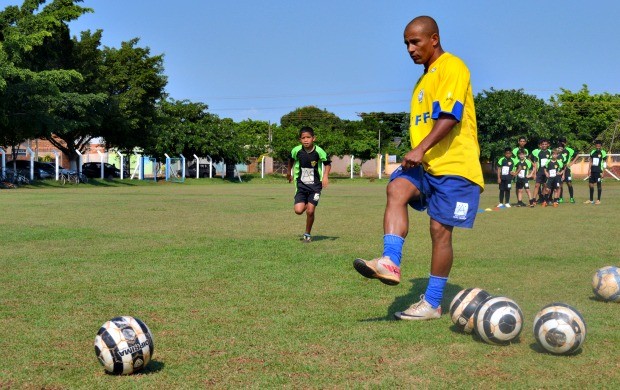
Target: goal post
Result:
[[175, 169]]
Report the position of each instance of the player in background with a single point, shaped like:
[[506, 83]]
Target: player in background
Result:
[[522, 142], [505, 168], [540, 157], [595, 171], [553, 171], [568, 157], [523, 172], [306, 162], [441, 173]]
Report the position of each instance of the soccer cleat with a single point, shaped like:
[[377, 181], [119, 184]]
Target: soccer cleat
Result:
[[306, 238], [532, 204], [421, 310], [500, 206], [544, 204], [507, 205], [597, 202], [382, 268], [555, 204], [572, 200], [561, 200], [588, 202]]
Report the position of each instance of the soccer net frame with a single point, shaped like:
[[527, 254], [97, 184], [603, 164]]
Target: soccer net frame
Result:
[[583, 159], [175, 169]]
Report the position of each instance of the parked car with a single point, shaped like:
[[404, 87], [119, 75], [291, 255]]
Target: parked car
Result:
[[41, 170], [190, 170], [93, 170]]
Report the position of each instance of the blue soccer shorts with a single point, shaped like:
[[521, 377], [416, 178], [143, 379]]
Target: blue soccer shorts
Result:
[[450, 200]]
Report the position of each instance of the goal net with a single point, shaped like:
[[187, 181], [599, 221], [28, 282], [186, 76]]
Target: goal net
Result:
[[175, 169]]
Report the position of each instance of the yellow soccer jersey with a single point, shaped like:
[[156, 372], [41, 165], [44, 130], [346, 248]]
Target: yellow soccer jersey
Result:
[[446, 88]]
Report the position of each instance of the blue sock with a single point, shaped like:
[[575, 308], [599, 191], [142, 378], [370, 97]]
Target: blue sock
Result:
[[393, 247], [434, 290]]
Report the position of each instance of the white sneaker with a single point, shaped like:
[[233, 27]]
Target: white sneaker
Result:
[[500, 206], [421, 310], [507, 205]]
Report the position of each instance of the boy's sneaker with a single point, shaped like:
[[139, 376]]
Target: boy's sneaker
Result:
[[597, 202], [561, 200], [588, 202], [555, 204], [421, 310], [306, 238], [500, 206], [572, 200], [544, 204], [507, 205], [382, 268]]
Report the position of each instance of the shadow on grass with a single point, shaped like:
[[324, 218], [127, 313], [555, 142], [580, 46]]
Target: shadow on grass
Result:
[[418, 287], [322, 238], [538, 348], [151, 368]]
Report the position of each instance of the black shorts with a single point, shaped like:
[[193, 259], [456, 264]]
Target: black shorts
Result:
[[541, 178], [595, 177], [554, 182], [568, 177], [505, 185], [523, 183], [307, 194]]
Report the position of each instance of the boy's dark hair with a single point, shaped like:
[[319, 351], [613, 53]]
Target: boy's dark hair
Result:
[[598, 142], [507, 149], [543, 140], [306, 129], [522, 138], [562, 139], [521, 151]]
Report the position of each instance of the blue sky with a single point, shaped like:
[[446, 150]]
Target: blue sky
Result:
[[263, 59]]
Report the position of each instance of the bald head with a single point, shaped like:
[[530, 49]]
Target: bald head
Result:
[[422, 40], [424, 24]]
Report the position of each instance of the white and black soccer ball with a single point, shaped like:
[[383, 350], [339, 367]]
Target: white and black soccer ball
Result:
[[498, 320], [464, 306], [124, 345], [606, 284], [559, 329]]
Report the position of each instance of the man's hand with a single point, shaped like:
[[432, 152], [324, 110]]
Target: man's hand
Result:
[[413, 158], [325, 182]]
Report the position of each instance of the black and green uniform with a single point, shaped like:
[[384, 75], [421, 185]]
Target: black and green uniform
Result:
[[555, 179], [523, 169], [506, 166], [567, 156], [515, 152], [541, 157], [597, 157], [308, 173]]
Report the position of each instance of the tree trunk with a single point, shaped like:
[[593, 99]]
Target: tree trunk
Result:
[[230, 169]]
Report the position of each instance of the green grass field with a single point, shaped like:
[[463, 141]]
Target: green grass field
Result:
[[235, 300]]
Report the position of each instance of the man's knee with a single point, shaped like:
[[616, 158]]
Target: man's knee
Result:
[[401, 191], [441, 233]]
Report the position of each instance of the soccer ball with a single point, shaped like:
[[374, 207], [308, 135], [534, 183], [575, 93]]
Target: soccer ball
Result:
[[559, 329], [606, 284], [124, 345], [498, 320], [464, 306]]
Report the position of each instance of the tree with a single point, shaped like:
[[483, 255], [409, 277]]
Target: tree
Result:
[[29, 91], [504, 115], [134, 82], [587, 117]]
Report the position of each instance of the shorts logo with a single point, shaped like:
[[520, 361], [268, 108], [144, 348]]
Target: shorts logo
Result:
[[316, 197], [460, 211]]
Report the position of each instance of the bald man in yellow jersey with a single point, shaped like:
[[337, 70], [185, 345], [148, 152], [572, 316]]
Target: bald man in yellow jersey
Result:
[[441, 174]]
